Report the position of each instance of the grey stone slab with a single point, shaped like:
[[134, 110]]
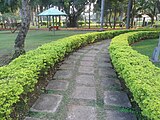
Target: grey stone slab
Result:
[[99, 47], [29, 118], [116, 115], [88, 58], [66, 67], [104, 60], [84, 69], [47, 103], [83, 92], [63, 74], [90, 55], [107, 72], [70, 61], [87, 63], [88, 47], [74, 57], [78, 53], [98, 43], [116, 98], [93, 52], [111, 84], [105, 65], [105, 51], [85, 80], [82, 50], [81, 113], [103, 56], [57, 85]]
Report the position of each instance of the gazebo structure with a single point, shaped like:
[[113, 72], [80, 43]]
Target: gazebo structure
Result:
[[51, 12]]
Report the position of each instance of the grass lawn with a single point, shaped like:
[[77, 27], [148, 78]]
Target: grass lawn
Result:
[[146, 47], [33, 40]]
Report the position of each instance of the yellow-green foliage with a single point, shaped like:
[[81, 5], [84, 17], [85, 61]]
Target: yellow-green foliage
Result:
[[21, 75], [140, 75]]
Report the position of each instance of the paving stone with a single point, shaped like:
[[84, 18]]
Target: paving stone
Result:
[[81, 113], [47, 103], [70, 62], [98, 43], [106, 60], [88, 47], [93, 52], [105, 51], [105, 65], [88, 58], [116, 115], [74, 57], [66, 67], [85, 80], [83, 50], [87, 63], [57, 85], [98, 47], [107, 72], [90, 55], [103, 56], [78, 53], [83, 92], [116, 98], [84, 69], [111, 84], [29, 118], [63, 74]]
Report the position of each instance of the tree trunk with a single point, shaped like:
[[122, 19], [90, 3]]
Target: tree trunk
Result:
[[41, 10], [129, 14], [133, 9], [158, 5], [25, 17], [152, 20], [73, 21], [110, 15], [102, 14], [143, 22], [115, 14], [32, 16], [89, 14]]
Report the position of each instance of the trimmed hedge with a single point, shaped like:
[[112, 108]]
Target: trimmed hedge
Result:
[[21, 75], [140, 75]]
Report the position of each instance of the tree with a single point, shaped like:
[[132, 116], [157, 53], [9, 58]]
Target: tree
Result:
[[74, 8], [25, 23], [102, 14], [129, 13]]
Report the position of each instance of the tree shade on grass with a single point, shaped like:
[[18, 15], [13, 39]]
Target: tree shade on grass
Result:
[[146, 47]]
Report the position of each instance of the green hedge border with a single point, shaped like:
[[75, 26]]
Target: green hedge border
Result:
[[140, 75], [21, 75]]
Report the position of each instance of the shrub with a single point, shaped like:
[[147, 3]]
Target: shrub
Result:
[[140, 75], [21, 75]]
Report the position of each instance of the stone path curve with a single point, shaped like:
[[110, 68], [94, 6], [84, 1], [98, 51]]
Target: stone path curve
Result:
[[85, 87]]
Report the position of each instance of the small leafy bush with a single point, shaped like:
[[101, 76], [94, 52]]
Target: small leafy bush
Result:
[[140, 75], [21, 75]]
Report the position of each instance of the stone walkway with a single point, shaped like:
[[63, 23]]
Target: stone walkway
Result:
[[85, 87]]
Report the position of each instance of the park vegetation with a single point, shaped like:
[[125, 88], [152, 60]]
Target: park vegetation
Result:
[[116, 12], [140, 75], [20, 77]]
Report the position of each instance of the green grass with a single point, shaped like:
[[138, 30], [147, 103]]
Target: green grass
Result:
[[146, 47], [33, 40]]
